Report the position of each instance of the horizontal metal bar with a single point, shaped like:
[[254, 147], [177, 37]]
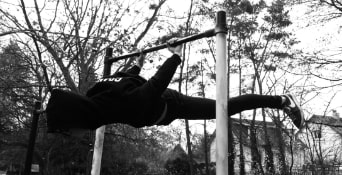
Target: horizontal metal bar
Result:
[[208, 33]]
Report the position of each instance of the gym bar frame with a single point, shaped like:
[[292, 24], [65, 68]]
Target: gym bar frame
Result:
[[32, 139], [220, 31], [206, 34], [221, 95]]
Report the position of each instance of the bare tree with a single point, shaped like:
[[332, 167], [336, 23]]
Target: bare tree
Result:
[[75, 34]]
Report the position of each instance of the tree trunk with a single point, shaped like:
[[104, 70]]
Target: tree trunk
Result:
[[231, 145], [187, 130], [281, 147], [269, 162], [242, 155], [206, 152], [188, 143], [231, 150], [256, 165], [206, 149]]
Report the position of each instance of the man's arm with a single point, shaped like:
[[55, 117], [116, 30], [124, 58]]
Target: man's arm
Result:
[[157, 84]]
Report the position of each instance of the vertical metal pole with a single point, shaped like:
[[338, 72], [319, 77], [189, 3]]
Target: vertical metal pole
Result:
[[221, 95], [32, 139], [99, 135]]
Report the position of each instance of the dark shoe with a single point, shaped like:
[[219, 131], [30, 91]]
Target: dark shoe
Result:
[[293, 110]]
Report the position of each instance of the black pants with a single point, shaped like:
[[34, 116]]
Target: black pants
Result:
[[180, 106]]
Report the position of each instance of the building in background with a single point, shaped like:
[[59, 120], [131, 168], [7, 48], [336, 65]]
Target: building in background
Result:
[[294, 147], [323, 136]]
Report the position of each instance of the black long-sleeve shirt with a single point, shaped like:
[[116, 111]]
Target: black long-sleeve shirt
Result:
[[126, 97]]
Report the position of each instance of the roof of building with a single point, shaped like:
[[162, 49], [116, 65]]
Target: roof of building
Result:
[[335, 123]]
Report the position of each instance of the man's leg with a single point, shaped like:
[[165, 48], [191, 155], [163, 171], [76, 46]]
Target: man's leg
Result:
[[288, 103], [193, 108], [180, 106], [253, 101]]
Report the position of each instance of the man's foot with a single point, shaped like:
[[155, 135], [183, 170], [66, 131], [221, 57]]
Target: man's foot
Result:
[[292, 108]]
